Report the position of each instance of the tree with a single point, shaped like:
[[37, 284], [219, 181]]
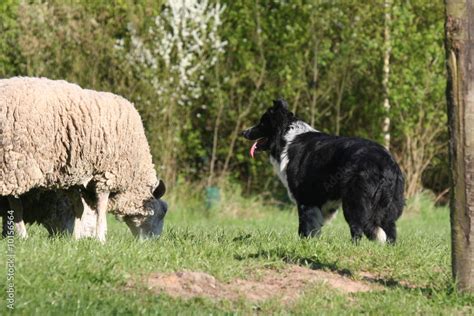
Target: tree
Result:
[[386, 72], [460, 97]]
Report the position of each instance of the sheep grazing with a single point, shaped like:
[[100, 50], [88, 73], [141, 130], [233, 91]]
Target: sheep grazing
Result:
[[56, 135]]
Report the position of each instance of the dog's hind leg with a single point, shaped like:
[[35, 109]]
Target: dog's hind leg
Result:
[[391, 232], [356, 232], [355, 215], [310, 221]]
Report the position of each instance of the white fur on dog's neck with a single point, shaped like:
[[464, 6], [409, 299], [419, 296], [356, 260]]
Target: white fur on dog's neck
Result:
[[295, 129]]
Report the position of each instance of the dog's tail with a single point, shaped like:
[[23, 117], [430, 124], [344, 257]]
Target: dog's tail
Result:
[[389, 194], [379, 234], [395, 191]]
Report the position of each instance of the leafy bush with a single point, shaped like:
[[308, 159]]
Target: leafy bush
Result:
[[325, 58]]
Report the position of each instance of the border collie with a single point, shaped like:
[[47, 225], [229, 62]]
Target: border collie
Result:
[[322, 171]]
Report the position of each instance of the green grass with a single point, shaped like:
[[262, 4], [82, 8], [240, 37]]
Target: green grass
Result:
[[59, 276]]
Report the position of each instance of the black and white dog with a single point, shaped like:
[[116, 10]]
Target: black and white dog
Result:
[[322, 171]]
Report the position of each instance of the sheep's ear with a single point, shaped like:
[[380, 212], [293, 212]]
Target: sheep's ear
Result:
[[159, 190]]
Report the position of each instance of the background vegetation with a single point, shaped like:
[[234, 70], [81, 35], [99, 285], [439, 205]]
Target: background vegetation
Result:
[[199, 76]]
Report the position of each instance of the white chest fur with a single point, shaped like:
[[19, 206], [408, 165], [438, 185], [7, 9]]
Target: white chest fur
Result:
[[296, 128], [280, 170]]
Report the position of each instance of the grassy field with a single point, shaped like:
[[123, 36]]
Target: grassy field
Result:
[[64, 277]]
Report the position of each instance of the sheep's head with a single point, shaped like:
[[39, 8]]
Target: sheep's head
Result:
[[150, 226]]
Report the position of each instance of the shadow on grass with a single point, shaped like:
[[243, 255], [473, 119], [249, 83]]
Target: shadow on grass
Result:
[[316, 264]]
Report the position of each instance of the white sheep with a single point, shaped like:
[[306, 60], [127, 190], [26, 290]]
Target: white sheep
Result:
[[56, 135]]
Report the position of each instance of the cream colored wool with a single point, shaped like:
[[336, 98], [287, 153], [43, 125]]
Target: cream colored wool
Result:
[[54, 134]]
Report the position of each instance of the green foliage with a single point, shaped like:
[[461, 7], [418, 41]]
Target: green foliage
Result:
[[417, 88], [9, 31], [324, 57]]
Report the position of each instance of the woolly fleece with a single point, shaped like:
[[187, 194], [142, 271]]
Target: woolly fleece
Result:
[[54, 134]]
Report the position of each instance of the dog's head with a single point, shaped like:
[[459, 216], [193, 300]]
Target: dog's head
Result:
[[271, 125], [149, 226]]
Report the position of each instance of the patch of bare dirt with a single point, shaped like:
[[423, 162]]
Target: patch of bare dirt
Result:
[[287, 284]]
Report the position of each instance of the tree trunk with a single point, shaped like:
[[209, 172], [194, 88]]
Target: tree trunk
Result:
[[314, 84], [217, 124], [460, 98], [386, 72]]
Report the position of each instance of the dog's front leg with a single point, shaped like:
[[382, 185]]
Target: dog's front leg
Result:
[[310, 221], [17, 207]]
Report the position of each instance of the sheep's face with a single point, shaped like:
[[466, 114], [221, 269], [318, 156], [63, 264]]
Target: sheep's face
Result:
[[150, 226]]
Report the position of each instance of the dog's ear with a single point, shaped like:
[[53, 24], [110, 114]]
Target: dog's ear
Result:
[[280, 104]]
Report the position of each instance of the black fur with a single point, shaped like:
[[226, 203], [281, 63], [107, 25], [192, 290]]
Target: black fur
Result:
[[359, 173]]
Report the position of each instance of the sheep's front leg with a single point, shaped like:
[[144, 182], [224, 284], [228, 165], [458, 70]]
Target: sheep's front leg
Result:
[[79, 208], [17, 207], [102, 200], [86, 214]]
